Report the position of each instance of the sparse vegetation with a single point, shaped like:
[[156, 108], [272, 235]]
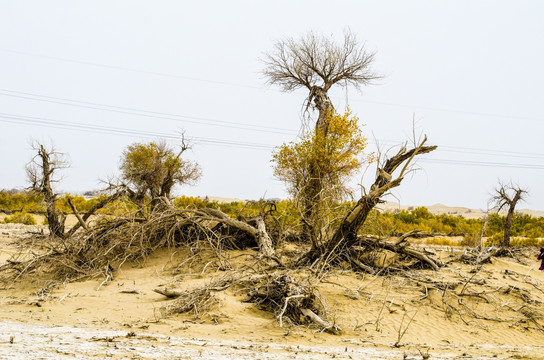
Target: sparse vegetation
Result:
[[150, 171], [526, 230], [292, 245], [20, 218]]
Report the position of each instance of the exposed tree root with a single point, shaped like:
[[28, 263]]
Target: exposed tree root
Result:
[[481, 256], [290, 301]]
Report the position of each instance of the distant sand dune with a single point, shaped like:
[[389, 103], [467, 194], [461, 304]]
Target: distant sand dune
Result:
[[438, 209]]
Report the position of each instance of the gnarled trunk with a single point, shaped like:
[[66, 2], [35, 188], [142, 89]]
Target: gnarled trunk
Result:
[[346, 234]]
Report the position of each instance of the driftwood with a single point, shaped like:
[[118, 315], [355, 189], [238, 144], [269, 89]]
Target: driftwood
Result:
[[479, 256], [171, 294], [133, 291], [399, 248], [420, 234], [327, 326], [216, 285]]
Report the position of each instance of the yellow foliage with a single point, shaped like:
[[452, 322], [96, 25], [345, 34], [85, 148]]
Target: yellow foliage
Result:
[[336, 154], [154, 168], [317, 169]]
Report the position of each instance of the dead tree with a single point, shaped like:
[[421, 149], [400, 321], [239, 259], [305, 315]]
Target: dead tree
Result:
[[40, 172], [345, 236], [507, 195], [317, 63]]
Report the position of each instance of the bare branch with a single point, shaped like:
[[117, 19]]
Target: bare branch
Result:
[[40, 171], [507, 195], [319, 61]]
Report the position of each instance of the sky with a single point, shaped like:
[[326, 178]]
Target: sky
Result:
[[92, 77]]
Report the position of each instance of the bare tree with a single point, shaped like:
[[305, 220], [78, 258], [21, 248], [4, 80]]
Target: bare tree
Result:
[[317, 63], [507, 195], [41, 171]]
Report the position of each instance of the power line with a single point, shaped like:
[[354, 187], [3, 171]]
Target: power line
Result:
[[17, 119], [114, 67], [468, 150], [449, 110], [227, 124], [472, 151], [484, 163], [145, 113]]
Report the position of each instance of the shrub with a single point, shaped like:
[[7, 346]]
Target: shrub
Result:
[[441, 241], [526, 242], [471, 240], [20, 218], [30, 201], [495, 239]]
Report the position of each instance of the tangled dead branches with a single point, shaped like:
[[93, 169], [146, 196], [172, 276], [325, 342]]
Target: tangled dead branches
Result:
[[290, 301]]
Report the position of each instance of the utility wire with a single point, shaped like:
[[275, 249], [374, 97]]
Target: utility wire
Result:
[[257, 87], [234, 125], [114, 67], [145, 113], [10, 118], [483, 163], [16, 119]]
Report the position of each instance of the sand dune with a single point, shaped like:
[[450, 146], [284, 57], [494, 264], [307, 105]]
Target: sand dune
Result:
[[497, 318], [438, 209]]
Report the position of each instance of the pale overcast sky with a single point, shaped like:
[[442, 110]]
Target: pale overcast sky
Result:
[[96, 76]]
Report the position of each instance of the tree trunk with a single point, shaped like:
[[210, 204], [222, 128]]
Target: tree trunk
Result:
[[265, 242], [509, 217], [346, 234], [55, 218], [324, 105], [314, 189]]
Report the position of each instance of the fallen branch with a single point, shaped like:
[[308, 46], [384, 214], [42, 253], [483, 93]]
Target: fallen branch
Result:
[[133, 291], [171, 294], [280, 316], [76, 213], [327, 326], [400, 249]]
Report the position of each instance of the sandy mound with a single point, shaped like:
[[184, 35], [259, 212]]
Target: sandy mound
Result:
[[490, 312]]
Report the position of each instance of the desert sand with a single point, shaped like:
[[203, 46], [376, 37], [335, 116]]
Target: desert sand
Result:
[[458, 312]]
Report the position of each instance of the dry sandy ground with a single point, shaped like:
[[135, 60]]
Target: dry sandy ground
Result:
[[92, 319]]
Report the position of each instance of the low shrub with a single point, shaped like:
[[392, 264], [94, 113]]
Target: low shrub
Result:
[[20, 218], [441, 241]]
